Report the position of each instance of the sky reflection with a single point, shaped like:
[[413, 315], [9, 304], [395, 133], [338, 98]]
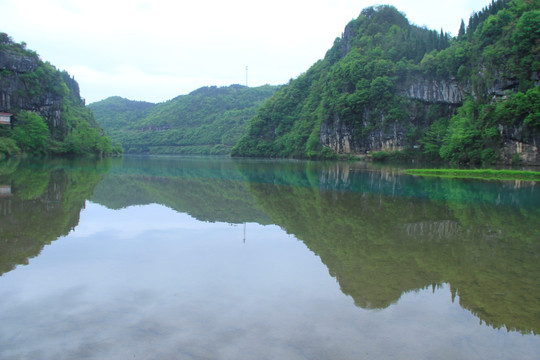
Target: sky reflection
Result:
[[148, 282]]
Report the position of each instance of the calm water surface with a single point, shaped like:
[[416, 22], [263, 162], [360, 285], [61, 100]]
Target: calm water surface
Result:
[[205, 258]]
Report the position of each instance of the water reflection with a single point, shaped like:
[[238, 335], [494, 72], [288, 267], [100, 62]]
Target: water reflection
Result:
[[209, 189], [41, 201], [382, 234], [379, 233]]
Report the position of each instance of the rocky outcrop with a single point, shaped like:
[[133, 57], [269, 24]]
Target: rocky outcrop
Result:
[[422, 93], [17, 90], [501, 84], [16, 62], [435, 91], [391, 135], [340, 137], [519, 146]]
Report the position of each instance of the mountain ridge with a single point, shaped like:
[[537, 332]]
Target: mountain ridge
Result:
[[388, 85], [208, 120]]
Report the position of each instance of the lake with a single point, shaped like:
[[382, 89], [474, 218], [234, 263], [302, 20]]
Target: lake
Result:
[[218, 258]]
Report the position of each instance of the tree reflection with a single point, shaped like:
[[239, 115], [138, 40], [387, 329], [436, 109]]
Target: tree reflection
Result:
[[44, 203], [382, 234], [209, 189]]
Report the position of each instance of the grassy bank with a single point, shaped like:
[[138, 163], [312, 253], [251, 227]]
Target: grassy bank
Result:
[[478, 174]]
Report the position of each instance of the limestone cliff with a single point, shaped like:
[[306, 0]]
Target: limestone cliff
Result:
[[388, 85], [447, 91], [437, 88], [420, 93], [28, 83], [17, 79]]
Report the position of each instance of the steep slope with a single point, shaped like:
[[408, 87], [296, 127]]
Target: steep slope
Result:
[[45, 105], [209, 120], [387, 85]]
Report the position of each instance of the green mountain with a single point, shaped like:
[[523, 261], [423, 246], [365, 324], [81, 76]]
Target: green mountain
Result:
[[388, 85], [209, 120], [48, 115], [116, 113]]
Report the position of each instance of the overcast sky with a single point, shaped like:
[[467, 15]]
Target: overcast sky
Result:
[[155, 50]]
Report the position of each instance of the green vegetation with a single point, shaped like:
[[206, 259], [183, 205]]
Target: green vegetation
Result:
[[382, 234], [32, 134], [116, 113], [484, 174], [361, 91], [8, 147], [208, 121], [208, 189], [45, 201], [49, 116], [501, 40]]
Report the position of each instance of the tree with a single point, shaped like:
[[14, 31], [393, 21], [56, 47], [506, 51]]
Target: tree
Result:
[[32, 133], [527, 32], [461, 31]]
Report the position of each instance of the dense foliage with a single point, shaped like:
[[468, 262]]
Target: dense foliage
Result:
[[116, 113], [209, 120], [32, 135], [359, 90], [500, 61], [49, 116]]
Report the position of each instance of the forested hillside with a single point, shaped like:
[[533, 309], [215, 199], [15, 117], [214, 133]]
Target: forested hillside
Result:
[[387, 85], [48, 115], [209, 120], [116, 113]]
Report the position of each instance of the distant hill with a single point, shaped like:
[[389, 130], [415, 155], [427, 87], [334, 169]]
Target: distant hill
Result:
[[209, 120], [388, 85], [116, 113]]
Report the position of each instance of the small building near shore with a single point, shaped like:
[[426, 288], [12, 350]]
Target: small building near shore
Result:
[[5, 191], [5, 118]]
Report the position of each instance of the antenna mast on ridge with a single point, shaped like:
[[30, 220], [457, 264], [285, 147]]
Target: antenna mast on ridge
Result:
[[247, 76]]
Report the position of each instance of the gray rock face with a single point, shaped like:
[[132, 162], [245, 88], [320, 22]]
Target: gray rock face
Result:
[[435, 91], [17, 63], [520, 145], [422, 92], [14, 94], [340, 137]]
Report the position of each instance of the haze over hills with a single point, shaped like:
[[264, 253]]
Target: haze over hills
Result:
[[209, 120], [387, 85]]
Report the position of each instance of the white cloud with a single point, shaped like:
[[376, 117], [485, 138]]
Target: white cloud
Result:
[[156, 50]]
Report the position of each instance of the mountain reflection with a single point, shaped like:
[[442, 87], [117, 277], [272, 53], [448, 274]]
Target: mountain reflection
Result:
[[382, 234], [41, 202], [379, 233], [209, 189]]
